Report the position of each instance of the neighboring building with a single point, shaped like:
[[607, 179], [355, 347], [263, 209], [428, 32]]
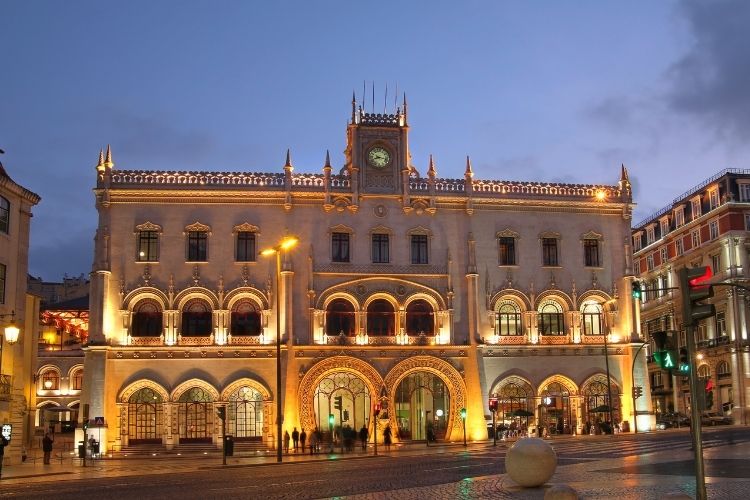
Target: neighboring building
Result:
[[55, 292], [706, 226], [59, 375], [16, 360], [425, 294]]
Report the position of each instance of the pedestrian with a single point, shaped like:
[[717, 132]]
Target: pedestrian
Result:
[[387, 437], [313, 441], [3, 443], [286, 441], [47, 447], [302, 439], [363, 437], [295, 439]]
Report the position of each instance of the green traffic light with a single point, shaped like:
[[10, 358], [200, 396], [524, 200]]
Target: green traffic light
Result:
[[637, 292], [463, 413]]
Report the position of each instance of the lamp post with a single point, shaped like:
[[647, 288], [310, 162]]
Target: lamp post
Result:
[[287, 243], [609, 383], [11, 335]]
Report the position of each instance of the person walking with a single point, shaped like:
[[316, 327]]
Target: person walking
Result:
[[286, 442], [363, 437], [47, 447], [387, 437], [302, 439], [295, 439], [313, 441], [3, 443]]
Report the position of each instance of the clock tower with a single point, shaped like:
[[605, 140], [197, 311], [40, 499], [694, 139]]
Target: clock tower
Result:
[[377, 152]]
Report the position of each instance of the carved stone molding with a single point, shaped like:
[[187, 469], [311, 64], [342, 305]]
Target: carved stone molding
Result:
[[148, 226]]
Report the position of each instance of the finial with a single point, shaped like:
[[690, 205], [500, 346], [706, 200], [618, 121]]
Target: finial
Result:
[[354, 107], [624, 174], [288, 159], [431, 170], [328, 159], [468, 168], [100, 163], [108, 163]]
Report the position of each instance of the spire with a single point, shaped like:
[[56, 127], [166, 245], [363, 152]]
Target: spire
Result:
[[431, 170], [468, 172], [288, 163], [354, 107], [108, 163], [405, 113], [328, 160], [100, 163], [624, 174]]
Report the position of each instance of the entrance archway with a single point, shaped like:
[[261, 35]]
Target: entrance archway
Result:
[[555, 410], [195, 416], [422, 407], [245, 414], [145, 417], [355, 401]]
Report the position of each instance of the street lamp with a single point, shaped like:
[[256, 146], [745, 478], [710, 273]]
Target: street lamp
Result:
[[286, 243], [11, 335]]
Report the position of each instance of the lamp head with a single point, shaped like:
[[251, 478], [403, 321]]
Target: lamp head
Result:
[[267, 252], [288, 242]]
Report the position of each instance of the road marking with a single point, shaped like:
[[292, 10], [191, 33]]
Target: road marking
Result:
[[459, 467]]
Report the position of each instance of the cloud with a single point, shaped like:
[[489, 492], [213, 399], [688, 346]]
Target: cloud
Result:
[[711, 80]]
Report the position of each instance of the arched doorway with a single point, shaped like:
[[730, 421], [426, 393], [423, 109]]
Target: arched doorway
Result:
[[420, 318], [147, 319], [145, 417], [422, 407], [340, 317], [245, 318], [195, 416], [245, 414], [515, 405], [381, 318], [355, 401], [555, 409], [596, 401]]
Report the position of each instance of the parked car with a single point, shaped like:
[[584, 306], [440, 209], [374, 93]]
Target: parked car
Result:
[[669, 420], [715, 418]]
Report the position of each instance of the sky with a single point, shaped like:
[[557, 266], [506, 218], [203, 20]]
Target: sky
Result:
[[549, 91]]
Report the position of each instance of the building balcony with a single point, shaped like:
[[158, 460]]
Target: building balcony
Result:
[[719, 341], [5, 387], [198, 340], [549, 340], [381, 340]]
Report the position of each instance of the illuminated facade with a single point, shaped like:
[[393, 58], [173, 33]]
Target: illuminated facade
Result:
[[423, 294], [706, 226]]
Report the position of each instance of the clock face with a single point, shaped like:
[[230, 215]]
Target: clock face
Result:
[[378, 157]]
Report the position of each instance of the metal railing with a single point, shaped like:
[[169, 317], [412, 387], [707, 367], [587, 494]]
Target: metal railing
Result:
[[5, 387]]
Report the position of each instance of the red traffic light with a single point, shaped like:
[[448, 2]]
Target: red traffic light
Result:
[[493, 404], [702, 279], [376, 409]]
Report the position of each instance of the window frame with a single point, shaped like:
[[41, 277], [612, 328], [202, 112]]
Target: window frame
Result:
[[695, 238], [713, 198], [550, 252], [664, 226], [713, 229], [663, 255], [679, 247], [148, 238], [744, 191], [679, 217], [505, 319], [197, 246], [591, 252], [695, 207], [341, 242], [506, 247], [380, 244], [420, 243], [592, 320], [4, 215], [247, 241]]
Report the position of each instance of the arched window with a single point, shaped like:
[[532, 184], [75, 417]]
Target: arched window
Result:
[[508, 319], [195, 416], [591, 317], [551, 320], [76, 380], [50, 380], [420, 318], [145, 419], [245, 318], [196, 319], [381, 318], [340, 317], [704, 371], [723, 370], [147, 319]]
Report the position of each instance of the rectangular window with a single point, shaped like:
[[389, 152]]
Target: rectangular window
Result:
[[721, 324], [4, 215], [696, 237], [716, 263], [148, 246], [747, 222], [340, 247], [549, 251], [2, 283], [679, 250], [663, 255], [591, 253], [419, 249], [650, 262], [77, 381], [197, 246], [650, 235], [245, 246], [657, 379], [713, 229], [713, 199], [380, 244], [695, 206], [637, 242], [637, 267], [664, 227], [679, 217], [744, 192], [507, 246]]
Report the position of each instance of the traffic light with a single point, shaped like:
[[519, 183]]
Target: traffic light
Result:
[[665, 353], [331, 420], [695, 288], [684, 366], [665, 360], [221, 411], [493, 405], [376, 409], [637, 391], [337, 402], [346, 416], [463, 413], [85, 417], [636, 290], [709, 394]]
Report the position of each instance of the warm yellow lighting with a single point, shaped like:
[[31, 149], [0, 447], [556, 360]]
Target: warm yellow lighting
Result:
[[288, 242], [601, 195], [267, 252], [613, 337], [11, 333], [699, 356], [48, 384]]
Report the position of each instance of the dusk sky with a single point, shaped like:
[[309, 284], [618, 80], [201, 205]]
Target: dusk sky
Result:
[[537, 91]]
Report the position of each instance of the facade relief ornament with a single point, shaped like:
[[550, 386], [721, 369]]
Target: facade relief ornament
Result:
[[196, 275], [507, 233], [148, 226], [246, 227], [146, 275], [197, 226], [591, 235]]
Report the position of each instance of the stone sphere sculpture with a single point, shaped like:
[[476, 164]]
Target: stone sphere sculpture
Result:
[[531, 462]]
